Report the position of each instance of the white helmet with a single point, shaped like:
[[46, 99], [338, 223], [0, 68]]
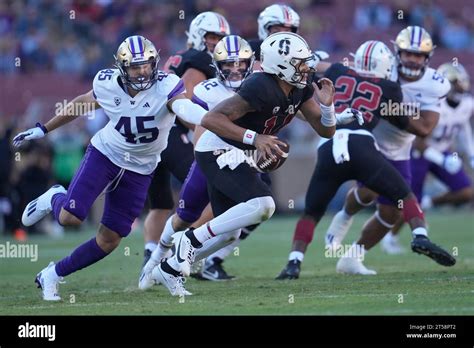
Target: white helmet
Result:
[[282, 54], [206, 22], [375, 58], [277, 15]]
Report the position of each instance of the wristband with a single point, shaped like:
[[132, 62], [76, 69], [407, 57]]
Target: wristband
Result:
[[43, 128], [328, 115], [249, 137]]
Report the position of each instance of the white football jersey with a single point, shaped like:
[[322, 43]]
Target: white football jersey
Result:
[[138, 128], [451, 121], [208, 94], [427, 94]]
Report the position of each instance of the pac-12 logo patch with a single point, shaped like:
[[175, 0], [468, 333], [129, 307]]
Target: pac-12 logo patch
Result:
[[117, 101]]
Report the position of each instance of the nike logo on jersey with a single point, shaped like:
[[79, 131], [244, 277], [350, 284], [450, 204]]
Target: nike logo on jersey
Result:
[[146, 105]]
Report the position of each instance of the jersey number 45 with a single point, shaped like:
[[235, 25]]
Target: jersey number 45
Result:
[[148, 134]]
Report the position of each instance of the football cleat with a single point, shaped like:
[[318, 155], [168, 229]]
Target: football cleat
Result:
[[291, 271], [215, 272], [184, 252], [49, 287], [352, 265], [40, 207], [146, 257], [422, 245], [175, 284], [146, 280]]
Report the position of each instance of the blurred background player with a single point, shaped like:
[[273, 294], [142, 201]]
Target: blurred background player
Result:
[[233, 60], [194, 66], [120, 159], [439, 158], [423, 89]]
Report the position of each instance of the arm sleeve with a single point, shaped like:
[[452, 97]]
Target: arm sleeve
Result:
[[188, 111]]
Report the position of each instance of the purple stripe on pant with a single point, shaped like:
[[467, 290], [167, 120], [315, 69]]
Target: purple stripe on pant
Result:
[[420, 168], [124, 198], [193, 197]]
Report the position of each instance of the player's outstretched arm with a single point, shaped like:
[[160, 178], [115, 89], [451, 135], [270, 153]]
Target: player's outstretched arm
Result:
[[219, 121], [186, 110], [69, 113]]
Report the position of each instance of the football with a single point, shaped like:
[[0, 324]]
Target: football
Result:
[[265, 165]]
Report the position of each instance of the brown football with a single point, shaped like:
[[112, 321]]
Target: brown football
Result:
[[266, 165]]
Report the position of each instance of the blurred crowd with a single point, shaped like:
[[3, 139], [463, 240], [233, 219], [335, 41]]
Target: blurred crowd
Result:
[[77, 38], [80, 36]]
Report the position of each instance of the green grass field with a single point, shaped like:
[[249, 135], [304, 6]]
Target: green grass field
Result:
[[110, 286]]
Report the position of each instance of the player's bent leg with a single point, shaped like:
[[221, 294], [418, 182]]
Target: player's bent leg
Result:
[[357, 199], [455, 198], [391, 242], [83, 256], [41, 206], [67, 219], [153, 226]]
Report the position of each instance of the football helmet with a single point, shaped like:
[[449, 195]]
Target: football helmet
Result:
[[417, 40], [206, 22], [459, 78], [375, 58], [232, 49], [277, 15], [283, 54], [137, 50]]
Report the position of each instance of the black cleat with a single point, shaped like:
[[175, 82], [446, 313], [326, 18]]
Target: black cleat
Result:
[[291, 271], [215, 271], [422, 245]]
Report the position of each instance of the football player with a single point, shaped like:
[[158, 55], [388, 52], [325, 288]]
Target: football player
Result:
[[249, 120], [141, 103], [233, 60], [438, 158], [423, 88], [194, 66], [353, 148]]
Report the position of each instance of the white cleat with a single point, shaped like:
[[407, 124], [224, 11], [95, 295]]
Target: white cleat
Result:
[[184, 252], [353, 265], [40, 207], [391, 244], [337, 231], [175, 284], [49, 287], [146, 280]]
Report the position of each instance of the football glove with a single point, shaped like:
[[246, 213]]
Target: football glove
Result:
[[33, 133], [349, 115]]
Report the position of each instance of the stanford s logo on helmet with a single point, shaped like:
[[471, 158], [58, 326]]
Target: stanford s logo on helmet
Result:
[[284, 54], [137, 50]]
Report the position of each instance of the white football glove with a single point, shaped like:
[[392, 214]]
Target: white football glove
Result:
[[317, 57], [349, 115], [33, 133], [452, 163]]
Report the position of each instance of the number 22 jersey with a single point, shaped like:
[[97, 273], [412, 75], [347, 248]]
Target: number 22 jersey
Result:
[[138, 127]]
